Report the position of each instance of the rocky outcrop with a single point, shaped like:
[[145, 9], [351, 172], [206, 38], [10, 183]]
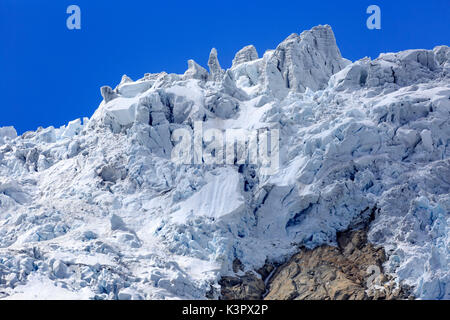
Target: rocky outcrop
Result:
[[351, 271], [250, 286], [247, 287]]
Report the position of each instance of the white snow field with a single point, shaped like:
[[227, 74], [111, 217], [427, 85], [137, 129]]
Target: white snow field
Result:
[[98, 210]]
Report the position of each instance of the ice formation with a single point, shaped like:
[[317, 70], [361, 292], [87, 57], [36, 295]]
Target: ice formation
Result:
[[97, 209]]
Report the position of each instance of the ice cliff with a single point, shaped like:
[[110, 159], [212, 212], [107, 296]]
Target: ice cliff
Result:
[[97, 208]]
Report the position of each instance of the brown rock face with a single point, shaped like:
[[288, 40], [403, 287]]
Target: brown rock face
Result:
[[247, 287], [353, 270]]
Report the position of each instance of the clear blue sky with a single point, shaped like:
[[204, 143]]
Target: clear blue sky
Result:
[[50, 75]]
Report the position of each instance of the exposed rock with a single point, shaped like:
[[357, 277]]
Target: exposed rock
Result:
[[336, 273], [237, 266], [247, 287], [266, 271], [351, 271]]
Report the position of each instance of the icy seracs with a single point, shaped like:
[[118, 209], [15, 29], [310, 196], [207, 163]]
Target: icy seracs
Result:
[[97, 209]]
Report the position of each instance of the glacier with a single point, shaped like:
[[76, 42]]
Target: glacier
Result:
[[97, 209]]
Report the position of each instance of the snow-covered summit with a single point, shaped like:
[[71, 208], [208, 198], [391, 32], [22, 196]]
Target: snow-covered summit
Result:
[[98, 208]]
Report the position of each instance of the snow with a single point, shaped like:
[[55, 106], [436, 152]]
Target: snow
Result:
[[7, 133], [123, 110], [218, 198], [39, 287], [97, 209]]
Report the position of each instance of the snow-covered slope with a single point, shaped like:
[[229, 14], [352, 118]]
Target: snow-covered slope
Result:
[[98, 208]]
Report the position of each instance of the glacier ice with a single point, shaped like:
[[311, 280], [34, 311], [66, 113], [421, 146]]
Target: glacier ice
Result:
[[96, 209], [7, 133], [246, 54]]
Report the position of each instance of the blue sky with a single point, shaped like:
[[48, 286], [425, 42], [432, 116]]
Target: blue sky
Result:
[[51, 75]]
